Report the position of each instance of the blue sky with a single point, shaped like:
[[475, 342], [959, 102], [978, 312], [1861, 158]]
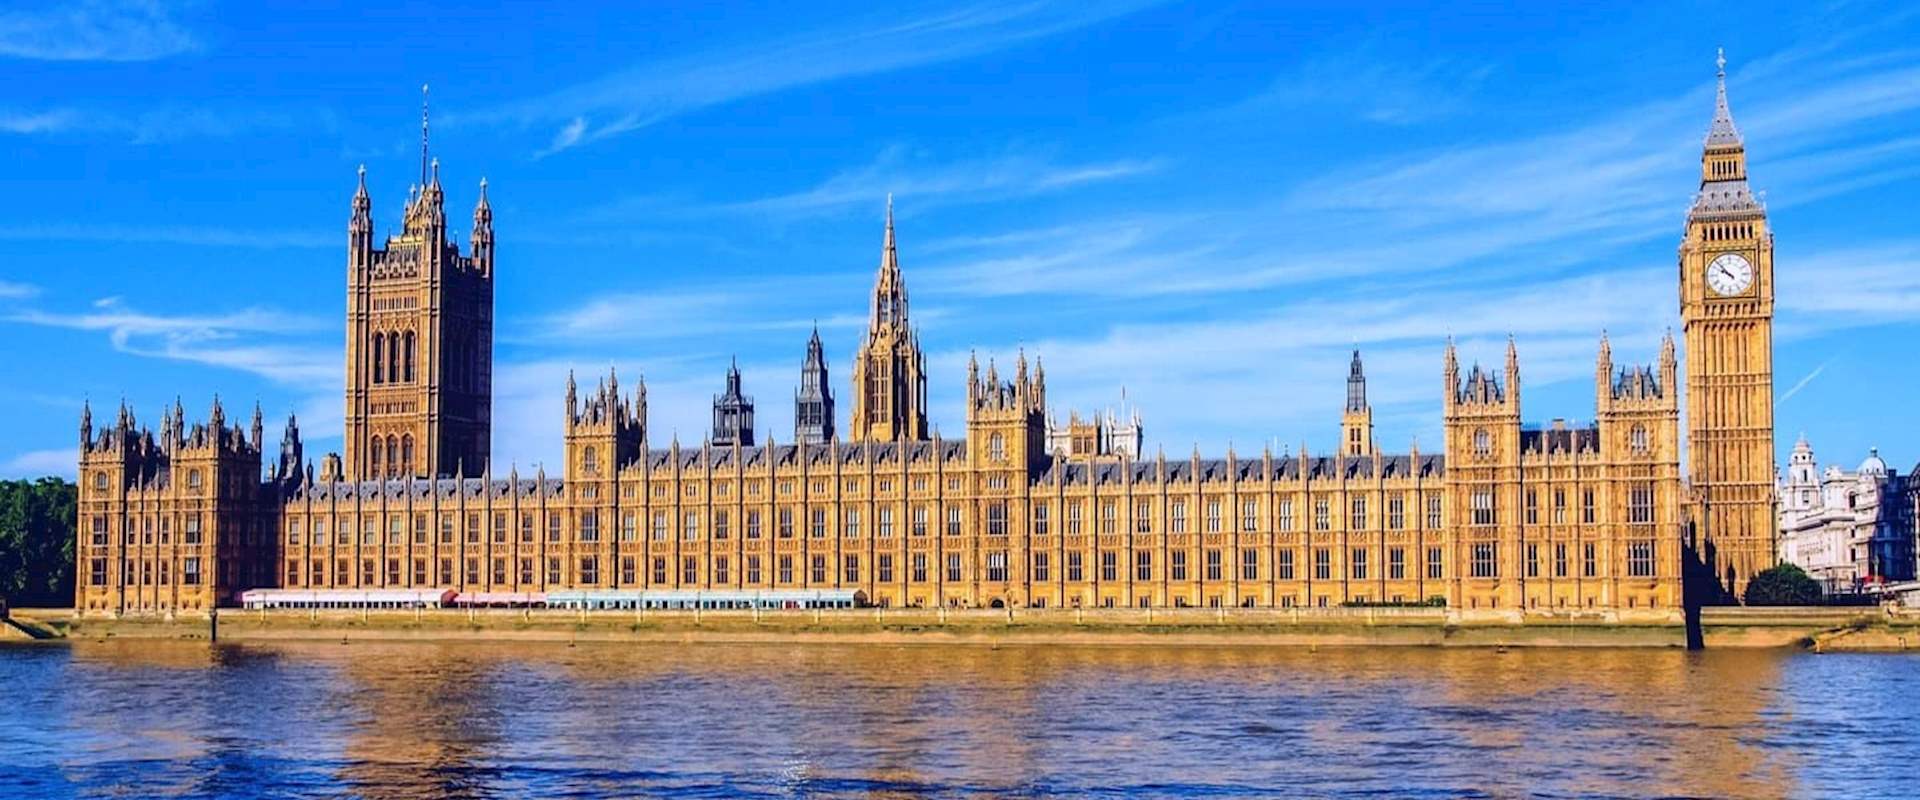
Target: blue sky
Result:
[[1205, 203]]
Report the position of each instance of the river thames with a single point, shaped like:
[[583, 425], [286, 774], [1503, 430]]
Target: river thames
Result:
[[187, 719]]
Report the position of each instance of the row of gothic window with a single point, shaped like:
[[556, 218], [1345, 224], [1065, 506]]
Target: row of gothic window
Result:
[[1636, 439], [393, 357], [1483, 563], [390, 457]]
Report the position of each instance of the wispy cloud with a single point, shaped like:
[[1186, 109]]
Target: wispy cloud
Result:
[[650, 92], [60, 462], [1837, 288], [226, 340], [94, 30], [32, 122], [1528, 208], [689, 313], [164, 124], [198, 236], [920, 181], [896, 171], [1371, 83], [10, 290]]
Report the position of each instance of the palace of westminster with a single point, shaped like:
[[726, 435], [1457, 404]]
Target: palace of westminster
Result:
[[1504, 516]]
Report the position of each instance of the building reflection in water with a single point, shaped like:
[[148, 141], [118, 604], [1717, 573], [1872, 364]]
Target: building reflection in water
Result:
[[470, 720], [427, 721]]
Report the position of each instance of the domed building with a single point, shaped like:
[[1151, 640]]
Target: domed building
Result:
[[1847, 529]]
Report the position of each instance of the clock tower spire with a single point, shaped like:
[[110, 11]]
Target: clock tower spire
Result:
[[1726, 311]]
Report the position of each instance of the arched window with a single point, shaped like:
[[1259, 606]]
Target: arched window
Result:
[[379, 361], [408, 351], [374, 461], [1482, 442], [393, 456], [406, 453], [393, 358], [590, 461], [996, 447], [193, 479], [1639, 439], [100, 481]]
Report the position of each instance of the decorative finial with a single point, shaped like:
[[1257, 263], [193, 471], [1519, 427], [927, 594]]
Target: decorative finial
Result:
[[423, 134], [1720, 60]]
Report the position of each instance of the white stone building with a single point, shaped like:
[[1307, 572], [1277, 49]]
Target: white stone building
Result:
[[1846, 529], [1113, 432]]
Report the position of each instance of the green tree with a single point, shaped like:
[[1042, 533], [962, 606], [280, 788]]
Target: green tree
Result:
[[1783, 585], [36, 541]]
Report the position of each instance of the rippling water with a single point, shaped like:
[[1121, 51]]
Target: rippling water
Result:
[[146, 719]]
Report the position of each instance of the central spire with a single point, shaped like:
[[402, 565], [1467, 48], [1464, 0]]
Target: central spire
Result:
[[889, 379], [1723, 133], [889, 290]]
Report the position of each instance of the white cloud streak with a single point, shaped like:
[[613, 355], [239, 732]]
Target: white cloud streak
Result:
[[190, 235], [968, 180], [166, 124], [94, 30], [221, 340], [1371, 84], [648, 93], [59, 462], [1802, 383]]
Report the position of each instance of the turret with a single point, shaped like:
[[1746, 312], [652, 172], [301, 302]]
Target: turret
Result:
[[291, 456], [1006, 421], [481, 242], [573, 400], [1513, 373], [973, 376], [1356, 422], [86, 424], [360, 226], [813, 400], [603, 432], [167, 439], [733, 413], [1603, 373], [1669, 366]]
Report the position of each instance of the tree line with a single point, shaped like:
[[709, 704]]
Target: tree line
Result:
[[36, 541]]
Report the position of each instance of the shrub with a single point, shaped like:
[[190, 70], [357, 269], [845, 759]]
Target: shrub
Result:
[[1783, 585]]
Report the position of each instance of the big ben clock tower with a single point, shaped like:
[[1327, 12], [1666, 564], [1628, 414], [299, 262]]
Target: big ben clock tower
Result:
[[1726, 309]]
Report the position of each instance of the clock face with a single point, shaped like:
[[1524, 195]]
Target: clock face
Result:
[[1729, 274]]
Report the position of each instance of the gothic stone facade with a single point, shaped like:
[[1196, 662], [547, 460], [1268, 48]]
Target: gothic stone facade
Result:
[[1508, 517]]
